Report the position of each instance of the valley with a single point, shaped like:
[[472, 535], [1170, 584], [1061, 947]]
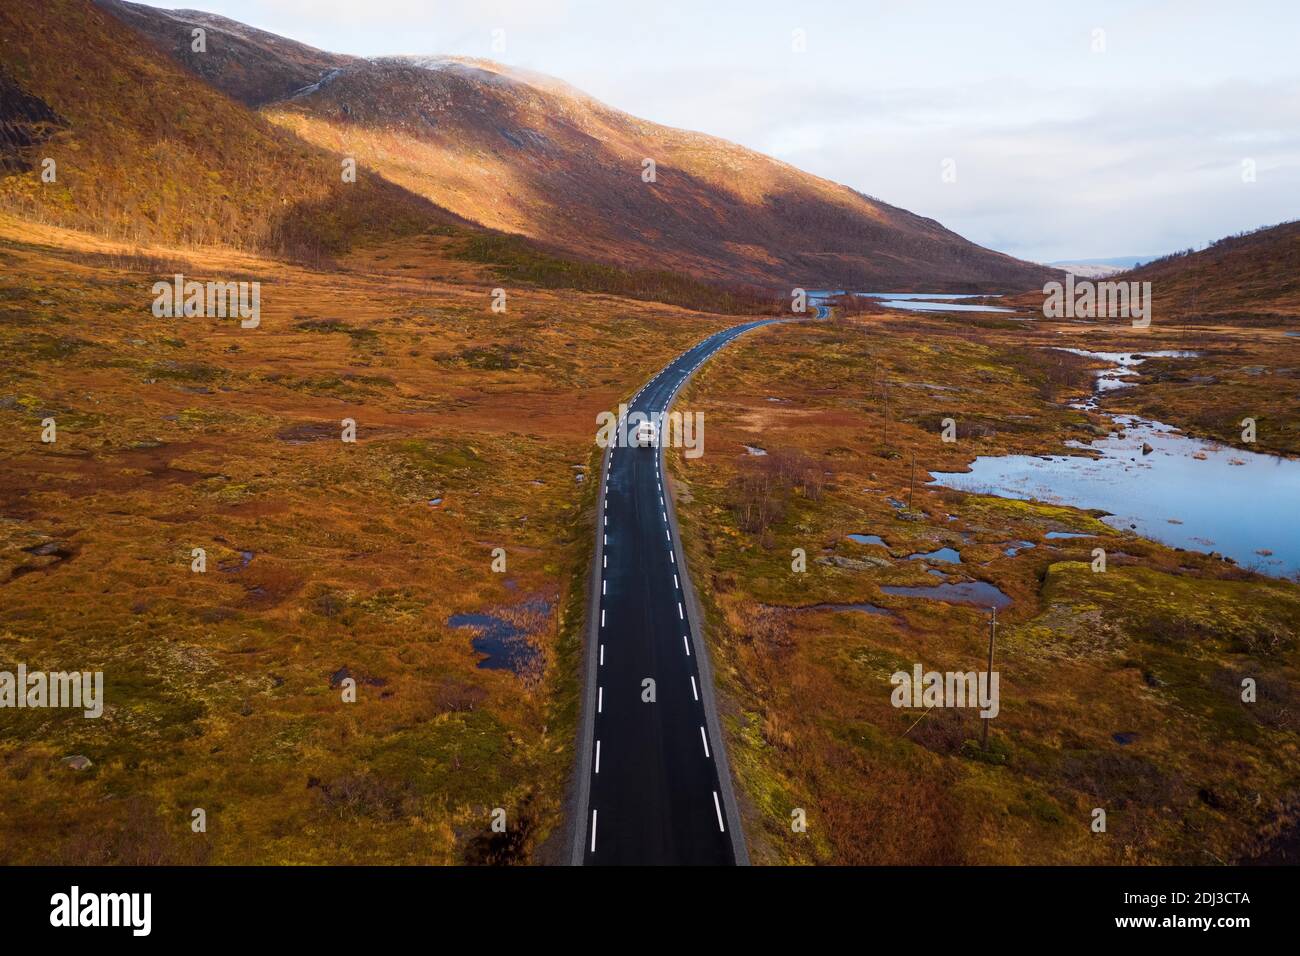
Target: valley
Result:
[[312, 364]]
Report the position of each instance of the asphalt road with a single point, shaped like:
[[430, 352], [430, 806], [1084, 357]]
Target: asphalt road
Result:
[[658, 790]]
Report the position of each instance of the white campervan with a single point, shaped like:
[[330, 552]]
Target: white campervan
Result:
[[647, 435]]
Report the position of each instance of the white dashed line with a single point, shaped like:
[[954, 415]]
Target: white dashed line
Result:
[[600, 699], [602, 586], [593, 827], [680, 615], [602, 617], [687, 644], [694, 693], [703, 737], [675, 583], [602, 657], [598, 756], [716, 806]]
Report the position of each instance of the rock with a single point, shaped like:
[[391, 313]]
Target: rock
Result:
[[77, 762], [1146, 448], [45, 549], [854, 564], [1211, 798]]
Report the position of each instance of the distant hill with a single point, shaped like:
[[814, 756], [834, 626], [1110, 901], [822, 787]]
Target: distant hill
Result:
[[1099, 268], [1088, 271], [1252, 273], [1116, 262], [527, 154]]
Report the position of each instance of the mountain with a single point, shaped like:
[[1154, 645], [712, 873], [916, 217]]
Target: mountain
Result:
[[1099, 268], [527, 154], [145, 151], [1252, 273], [1113, 262], [1086, 270], [245, 63]]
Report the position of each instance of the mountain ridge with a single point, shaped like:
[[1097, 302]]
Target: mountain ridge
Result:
[[527, 154]]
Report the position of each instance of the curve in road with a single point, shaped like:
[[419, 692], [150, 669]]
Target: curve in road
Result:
[[654, 785]]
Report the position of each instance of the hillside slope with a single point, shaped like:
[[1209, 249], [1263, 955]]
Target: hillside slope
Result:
[[527, 154], [144, 151], [245, 63], [1257, 272]]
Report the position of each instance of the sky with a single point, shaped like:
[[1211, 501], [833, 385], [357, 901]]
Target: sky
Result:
[[1047, 129]]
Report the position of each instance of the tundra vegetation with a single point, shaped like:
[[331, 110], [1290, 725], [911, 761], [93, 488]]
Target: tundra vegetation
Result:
[[325, 561], [307, 689], [1120, 690]]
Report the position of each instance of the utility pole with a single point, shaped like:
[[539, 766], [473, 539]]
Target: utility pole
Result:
[[912, 487], [993, 624]]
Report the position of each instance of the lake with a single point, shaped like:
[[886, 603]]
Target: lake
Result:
[[1187, 492], [917, 301]]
